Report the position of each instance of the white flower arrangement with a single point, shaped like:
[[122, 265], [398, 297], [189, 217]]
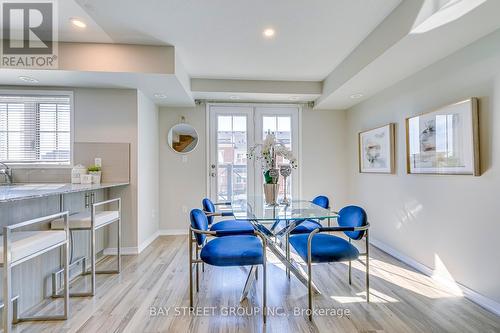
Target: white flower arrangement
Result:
[[267, 151]]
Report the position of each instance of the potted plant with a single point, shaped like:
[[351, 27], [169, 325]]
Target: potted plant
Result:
[[266, 153], [95, 172]]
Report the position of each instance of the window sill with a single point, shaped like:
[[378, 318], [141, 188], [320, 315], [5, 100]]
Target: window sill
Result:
[[38, 166]]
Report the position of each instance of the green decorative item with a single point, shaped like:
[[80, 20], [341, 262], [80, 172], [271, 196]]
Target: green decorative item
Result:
[[94, 168], [95, 172], [268, 178]]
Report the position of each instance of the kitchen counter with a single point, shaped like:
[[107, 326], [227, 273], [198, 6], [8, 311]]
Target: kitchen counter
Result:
[[26, 191]]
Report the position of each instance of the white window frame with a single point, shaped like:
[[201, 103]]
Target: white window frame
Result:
[[34, 92]]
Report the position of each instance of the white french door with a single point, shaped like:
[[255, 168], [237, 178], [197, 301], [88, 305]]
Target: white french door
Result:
[[233, 129]]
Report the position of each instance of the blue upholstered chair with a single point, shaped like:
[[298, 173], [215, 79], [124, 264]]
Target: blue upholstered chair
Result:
[[309, 225], [316, 247], [237, 248], [210, 212]]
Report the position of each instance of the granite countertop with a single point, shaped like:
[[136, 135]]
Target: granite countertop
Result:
[[26, 191]]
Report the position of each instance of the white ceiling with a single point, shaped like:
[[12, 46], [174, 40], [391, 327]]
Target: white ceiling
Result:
[[223, 38], [451, 28], [149, 84], [68, 9], [362, 46]]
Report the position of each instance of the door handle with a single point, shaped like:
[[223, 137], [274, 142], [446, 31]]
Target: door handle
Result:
[[213, 174]]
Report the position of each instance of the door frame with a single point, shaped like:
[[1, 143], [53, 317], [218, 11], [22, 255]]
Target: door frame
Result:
[[208, 149]]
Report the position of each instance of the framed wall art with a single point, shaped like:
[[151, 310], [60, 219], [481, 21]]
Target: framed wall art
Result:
[[376, 150], [444, 141]]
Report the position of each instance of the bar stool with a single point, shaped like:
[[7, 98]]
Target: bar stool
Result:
[[20, 246], [93, 221]]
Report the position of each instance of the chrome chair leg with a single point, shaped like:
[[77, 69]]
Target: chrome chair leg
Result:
[[197, 270], [350, 269], [264, 284], [190, 254], [309, 272], [287, 248], [309, 284], [367, 268]]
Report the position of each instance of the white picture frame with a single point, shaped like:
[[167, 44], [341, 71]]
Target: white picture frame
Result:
[[376, 149], [444, 141]]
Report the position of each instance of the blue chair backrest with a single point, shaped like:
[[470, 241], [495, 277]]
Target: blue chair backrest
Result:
[[208, 206], [352, 216], [199, 221], [322, 201]]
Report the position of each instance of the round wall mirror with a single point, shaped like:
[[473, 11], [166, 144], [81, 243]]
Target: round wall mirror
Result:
[[183, 138]]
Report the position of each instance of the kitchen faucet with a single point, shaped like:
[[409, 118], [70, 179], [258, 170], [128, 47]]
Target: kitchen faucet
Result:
[[5, 170]]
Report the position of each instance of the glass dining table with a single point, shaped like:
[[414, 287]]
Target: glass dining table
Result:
[[276, 223]]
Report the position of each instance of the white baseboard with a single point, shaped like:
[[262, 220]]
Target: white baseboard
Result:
[[172, 232], [136, 250], [148, 241], [468, 293], [401, 257]]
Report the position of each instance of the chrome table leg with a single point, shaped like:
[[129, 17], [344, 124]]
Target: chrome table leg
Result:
[[298, 274], [249, 283]]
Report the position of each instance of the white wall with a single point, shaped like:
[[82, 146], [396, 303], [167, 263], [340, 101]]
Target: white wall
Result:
[[110, 115], [148, 174], [124, 116], [183, 184], [323, 166], [447, 223]]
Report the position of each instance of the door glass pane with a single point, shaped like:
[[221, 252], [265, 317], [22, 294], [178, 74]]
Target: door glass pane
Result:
[[268, 125], [281, 127], [231, 157]]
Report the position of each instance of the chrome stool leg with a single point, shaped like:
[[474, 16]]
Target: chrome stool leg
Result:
[[7, 283], [119, 233], [10, 307], [93, 271]]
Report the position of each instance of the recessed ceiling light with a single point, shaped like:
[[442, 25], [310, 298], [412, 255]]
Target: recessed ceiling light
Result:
[[234, 97], [78, 22], [294, 98], [356, 96], [28, 79], [160, 95], [269, 32]]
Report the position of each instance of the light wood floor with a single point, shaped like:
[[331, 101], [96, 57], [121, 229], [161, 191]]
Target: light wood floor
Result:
[[403, 300]]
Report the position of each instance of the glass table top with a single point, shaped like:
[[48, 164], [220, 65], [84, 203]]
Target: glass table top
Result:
[[281, 218], [254, 208]]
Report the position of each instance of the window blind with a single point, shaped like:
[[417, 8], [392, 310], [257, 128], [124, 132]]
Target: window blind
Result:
[[35, 129]]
